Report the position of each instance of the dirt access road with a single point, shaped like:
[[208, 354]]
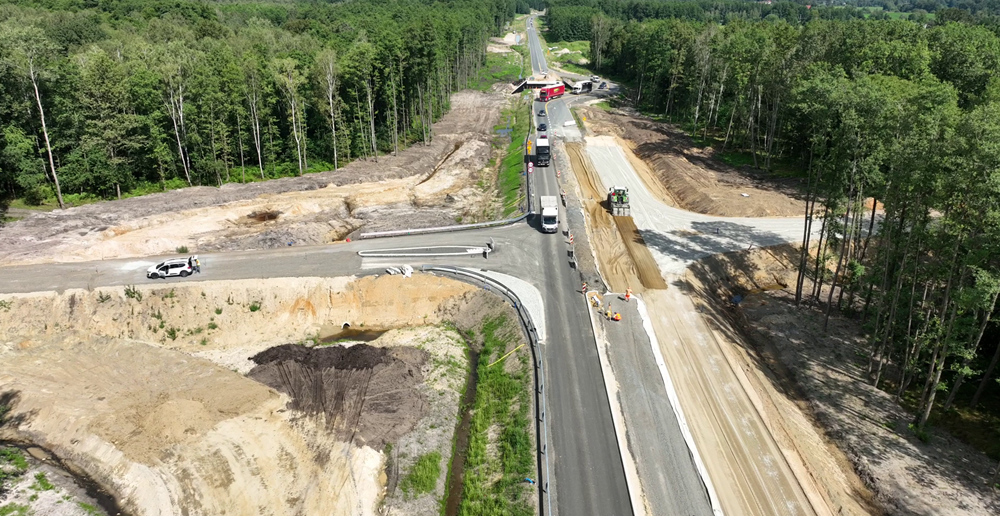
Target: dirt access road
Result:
[[423, 186], [758, 466]]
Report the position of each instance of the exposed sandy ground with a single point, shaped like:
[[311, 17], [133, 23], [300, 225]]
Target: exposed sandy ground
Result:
[[824, 375], [94, 378], [693, 179], [803, 474], [422, 186]]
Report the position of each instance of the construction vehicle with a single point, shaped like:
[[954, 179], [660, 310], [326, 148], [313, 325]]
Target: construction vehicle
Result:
[[583, 87], [550, 213], [542, 152], [618, 201], [551, 92]]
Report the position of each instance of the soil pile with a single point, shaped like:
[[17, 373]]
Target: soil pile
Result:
[[695, 179], [366, 394]]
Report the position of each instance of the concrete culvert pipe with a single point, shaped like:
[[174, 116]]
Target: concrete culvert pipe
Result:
[[345, 326]]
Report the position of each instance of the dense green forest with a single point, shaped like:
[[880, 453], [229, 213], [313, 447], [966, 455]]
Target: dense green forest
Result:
[[99, 97], [906, 113], [570, 20]]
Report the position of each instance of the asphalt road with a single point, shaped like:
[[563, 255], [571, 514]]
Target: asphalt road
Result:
[[538, 64], [588, 466]]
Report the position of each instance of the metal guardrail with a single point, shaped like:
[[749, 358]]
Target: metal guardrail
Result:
[[443, 229], [541, 444]]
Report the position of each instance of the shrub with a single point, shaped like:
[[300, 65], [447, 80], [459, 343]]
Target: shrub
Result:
[[182, 249], [423, 476]]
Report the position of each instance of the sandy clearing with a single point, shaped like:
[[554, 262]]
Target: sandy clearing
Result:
[[166, 431]]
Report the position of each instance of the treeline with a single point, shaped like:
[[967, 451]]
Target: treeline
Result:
[[893, 111], [110, 96], [570, 20]]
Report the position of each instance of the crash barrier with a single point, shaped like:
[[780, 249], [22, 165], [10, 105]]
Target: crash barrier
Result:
[[442, 229], [470, 276], [443, 250]]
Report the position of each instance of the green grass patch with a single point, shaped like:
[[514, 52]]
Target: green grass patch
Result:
[[498, 68], [582, 48], [494, 482], [510, 179], [423, 476], [89, 509], [12, 464], [605, 105], [42, 483], [13, 509], [574, 68]]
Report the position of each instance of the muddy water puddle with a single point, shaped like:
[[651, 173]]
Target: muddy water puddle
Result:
[[457, 471]]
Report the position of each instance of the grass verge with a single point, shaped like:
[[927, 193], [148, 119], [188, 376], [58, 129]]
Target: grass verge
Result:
[[501, 451], [509, 181]]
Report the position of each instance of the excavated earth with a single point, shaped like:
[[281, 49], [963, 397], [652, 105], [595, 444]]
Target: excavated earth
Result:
[[191, 400]]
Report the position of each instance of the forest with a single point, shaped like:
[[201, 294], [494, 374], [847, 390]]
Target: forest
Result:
[[893, 128], [104, 98]]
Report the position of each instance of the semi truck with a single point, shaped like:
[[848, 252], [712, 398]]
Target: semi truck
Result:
[[583, 87], [550, 213], [551, 92], [542, 152]]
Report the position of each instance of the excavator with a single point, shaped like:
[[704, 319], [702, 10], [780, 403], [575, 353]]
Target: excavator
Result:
[[618, 201]]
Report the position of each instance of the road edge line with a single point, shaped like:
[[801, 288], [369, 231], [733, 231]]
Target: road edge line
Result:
[[618, 418], [647, 324]]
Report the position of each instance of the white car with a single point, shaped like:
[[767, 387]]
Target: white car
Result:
[[182, 267]]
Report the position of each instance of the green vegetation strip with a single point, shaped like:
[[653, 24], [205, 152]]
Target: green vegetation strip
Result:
[[509, 182], [495, 471]]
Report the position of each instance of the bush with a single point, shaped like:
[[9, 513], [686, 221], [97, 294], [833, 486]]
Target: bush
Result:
[[182, 249]]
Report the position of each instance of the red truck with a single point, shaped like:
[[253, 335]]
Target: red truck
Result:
[[552, 92]]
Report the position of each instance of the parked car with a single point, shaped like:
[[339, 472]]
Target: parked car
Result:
[[595, 78], [542, 127], [182, 267], [602, 86]]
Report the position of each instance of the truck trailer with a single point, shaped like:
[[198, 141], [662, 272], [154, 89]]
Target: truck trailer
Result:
[[583, 87], [551, 92], [542, 152], [550, 213]]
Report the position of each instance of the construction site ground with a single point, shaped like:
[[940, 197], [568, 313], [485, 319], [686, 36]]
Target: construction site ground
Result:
[[204, 399], [438, 184], [689, 177], [819, 421]]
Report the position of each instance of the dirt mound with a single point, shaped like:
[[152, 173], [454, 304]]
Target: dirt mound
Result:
[[694, 178], [368, 395]]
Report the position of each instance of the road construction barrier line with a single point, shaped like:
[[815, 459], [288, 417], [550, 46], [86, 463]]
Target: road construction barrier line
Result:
[[401, 252], [675, 403], [542, 438]]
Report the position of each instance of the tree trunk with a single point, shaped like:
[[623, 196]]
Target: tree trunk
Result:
[[45, 132], [986, 378]]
